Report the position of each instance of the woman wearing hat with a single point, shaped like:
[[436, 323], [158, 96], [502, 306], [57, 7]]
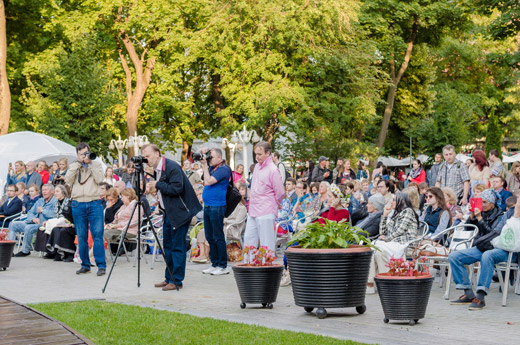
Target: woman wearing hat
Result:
[[337, 210]]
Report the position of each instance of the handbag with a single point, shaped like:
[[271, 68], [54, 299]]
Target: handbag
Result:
[[430, 248], [233, 197], [483, 243]]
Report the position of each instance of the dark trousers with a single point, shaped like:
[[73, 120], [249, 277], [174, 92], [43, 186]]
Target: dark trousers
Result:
[[214, 231], [174, 243]]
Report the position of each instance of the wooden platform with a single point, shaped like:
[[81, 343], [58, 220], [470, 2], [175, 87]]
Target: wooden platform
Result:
[[22, 325]]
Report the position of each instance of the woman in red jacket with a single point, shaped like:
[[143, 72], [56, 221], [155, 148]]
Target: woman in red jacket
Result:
[[337, 209], [417, 174], [42, 170]]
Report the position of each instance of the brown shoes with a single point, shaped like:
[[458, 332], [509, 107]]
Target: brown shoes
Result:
[[171, 286], [161, 284]]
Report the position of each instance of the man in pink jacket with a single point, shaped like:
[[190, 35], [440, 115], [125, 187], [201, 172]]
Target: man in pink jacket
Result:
[[267, 192]]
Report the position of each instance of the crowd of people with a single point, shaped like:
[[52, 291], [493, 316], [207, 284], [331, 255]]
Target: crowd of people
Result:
[[62, 201]]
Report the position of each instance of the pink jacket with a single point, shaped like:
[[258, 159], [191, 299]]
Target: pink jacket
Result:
[[267, 190], [122, 217]]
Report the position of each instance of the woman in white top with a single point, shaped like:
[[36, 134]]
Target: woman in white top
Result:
[[110, 178]]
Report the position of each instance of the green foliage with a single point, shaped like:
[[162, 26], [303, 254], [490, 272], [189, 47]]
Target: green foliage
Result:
[[111, 323], [332, 234], [493, 134], [74, 99]]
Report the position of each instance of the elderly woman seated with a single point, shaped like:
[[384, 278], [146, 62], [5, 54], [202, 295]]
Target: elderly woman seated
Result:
[[395, 232], [122, 218], [372, 215]]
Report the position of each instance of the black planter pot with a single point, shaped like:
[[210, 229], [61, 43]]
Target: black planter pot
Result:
[[6, 252], [258, 284], [404, 298], [329, 278]]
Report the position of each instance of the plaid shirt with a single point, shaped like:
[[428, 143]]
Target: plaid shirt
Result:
[[453, 177], [401, 229]]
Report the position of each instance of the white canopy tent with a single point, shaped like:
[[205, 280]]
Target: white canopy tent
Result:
[[30, 146]]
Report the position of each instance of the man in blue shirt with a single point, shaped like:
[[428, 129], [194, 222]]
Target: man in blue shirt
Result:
[[499, 184], [216, 180], [42, 211]]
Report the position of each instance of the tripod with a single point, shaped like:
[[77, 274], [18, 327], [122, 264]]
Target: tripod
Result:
[[139, 169]]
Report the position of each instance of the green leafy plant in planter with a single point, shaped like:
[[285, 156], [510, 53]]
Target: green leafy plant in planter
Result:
[[329, 268], [331, 235]]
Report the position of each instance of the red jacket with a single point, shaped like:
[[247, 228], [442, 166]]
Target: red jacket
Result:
[[420, 178], [45, 176], [332, 214]]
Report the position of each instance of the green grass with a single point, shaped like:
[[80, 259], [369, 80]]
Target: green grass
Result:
[[109, 323]]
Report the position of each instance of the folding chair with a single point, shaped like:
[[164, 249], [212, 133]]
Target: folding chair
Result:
[[504, 282], [460, 237]]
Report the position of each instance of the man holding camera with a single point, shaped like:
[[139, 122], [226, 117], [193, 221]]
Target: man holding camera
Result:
[[84, 176], [178, 202], [216, 180]]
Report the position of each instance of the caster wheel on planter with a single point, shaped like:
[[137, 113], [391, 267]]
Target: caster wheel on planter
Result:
[[385, 320], [269, 306], [242, 305], [412, 322], [416, 320], [361, 309], [308, 309], [264, 305], [321, 313]]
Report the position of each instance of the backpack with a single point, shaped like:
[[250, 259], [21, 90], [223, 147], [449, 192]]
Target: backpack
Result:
[[287, 173]]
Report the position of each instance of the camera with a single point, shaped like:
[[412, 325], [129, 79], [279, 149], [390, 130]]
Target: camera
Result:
[[139, 160], [90, 155], [197, 156]]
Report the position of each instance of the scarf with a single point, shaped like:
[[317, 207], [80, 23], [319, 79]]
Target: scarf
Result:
[[415, 173]]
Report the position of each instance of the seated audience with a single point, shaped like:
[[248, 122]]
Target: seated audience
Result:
[[122, 218], [451, 202], [372, 215], [11, 206], [303, 205], [499, 184], [513, 178], [127, 175], [33, 197], [437, 214], [43, 171], [482, 251], [242, 188], [113, 205], [22, 193], [41, 211], [423, 189], [18, 174], [238, 174], [110, 177], [59, 175], [337, 210], [386, 188], [32, 176], [319, 202]]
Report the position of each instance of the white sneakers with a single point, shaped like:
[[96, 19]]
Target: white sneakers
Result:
[[371, 290], [286, 278], [216, 271]]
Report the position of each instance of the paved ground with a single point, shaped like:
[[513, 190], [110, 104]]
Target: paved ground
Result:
[[33, 280]]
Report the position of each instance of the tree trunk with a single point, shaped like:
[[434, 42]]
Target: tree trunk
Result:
[[186, 148], [390, 99], [217, 95], [270, 129], [143, 70], [5, 94]]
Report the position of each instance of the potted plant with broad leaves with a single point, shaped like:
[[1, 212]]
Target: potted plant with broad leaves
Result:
[[405, 289], [257, 278], [329, 266], [6, 250]]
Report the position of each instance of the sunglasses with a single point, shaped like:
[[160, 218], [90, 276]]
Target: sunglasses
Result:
[[429, 196]]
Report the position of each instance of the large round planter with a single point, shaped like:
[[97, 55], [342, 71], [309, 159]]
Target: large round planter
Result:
[[404, 298], [329, 278], [6, 252], [258, 284]]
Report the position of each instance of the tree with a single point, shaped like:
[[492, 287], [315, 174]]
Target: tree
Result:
[[397, 26], [493, 134], [5, 94]]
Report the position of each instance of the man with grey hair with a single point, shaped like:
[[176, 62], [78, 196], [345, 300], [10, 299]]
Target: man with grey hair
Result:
[[193, 176], [42, 211], [33, 177], [454, 174], [216, 180]]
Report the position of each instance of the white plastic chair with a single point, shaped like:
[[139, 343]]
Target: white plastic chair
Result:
[[504, 282]]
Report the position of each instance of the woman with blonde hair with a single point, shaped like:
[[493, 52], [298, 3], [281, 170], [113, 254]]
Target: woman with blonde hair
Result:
[[513, 178], [17, 174], [413, 194], [122, 218]]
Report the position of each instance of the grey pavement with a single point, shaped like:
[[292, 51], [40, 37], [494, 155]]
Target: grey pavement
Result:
[[35, 280]]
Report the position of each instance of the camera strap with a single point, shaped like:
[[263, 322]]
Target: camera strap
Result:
[[79, 178]]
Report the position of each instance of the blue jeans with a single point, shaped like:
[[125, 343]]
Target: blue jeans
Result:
[[214, 231], [488, 259], [28, 229], [174, 245], [85, 214]]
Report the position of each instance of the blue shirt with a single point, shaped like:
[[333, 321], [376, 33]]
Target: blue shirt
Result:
[[215, 194]]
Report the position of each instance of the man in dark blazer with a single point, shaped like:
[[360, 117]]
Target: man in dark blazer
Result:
[[11, 206], [179, 204]]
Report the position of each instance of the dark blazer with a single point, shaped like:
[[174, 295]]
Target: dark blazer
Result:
[[179, 198], [15, 206]]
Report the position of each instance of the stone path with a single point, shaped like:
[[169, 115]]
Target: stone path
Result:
[[34, 280]]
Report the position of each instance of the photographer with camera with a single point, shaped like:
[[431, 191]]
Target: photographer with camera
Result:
[[179, 204], [216, 180], [84, 177]]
